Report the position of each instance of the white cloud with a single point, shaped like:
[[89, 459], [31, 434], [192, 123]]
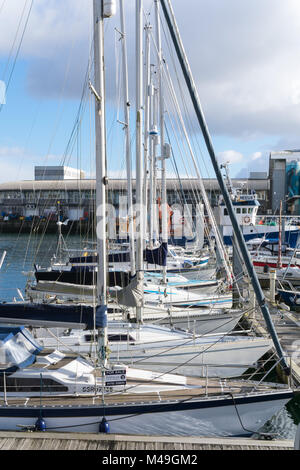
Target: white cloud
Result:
[[17, 163], [244, 57], [230, 156], [256, 155]]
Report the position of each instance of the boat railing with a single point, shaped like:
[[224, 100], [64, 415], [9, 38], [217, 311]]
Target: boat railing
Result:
[[286, 283]]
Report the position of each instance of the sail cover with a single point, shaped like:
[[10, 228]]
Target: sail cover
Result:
[[131, 296], [31, 314], [113, 257], [17, 348], [157, 256]]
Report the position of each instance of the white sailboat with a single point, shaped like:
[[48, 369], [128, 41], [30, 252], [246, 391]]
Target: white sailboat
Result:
[[208, 319], [49, 390], [159, 349]]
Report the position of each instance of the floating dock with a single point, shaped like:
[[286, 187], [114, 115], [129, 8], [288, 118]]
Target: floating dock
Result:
[[120, 443], [287, 326]]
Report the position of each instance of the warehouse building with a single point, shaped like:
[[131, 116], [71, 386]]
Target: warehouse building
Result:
[[74, 198]]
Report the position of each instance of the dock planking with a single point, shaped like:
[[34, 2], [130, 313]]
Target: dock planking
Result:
[[287, 326], [20, 441]]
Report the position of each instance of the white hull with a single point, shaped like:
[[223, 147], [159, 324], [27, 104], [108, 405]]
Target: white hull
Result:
[[208, 356], [215, 416], [202, 323], [223, 359]]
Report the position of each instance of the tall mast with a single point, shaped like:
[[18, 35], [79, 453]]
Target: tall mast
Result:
[[153, 225], [279, 261], [99, 11], [173, 28], [146, 125], [164, 221], [127, 136], [139, 154]]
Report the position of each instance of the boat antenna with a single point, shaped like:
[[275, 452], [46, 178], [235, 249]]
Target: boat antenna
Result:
[[175, 35]]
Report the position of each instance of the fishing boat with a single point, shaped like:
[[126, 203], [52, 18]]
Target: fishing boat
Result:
[[270, 255], [266, 253], [245, 206]]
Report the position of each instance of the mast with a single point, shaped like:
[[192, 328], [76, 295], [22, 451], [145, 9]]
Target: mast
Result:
[[220, 245], [139, 155], [127, 137], [279, 262], [153, 223], [173, 28], [99, 12], [147, 125], [164, 221]]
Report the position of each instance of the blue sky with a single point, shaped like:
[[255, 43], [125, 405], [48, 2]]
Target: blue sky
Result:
[[244, 57]]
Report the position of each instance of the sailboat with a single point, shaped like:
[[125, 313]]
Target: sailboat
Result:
[[83, 269], [47, 390], [51, 390]]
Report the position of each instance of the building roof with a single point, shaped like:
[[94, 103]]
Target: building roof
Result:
[[121, 184]]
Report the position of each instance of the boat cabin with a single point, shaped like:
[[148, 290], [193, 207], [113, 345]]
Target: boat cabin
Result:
[[245, 207]]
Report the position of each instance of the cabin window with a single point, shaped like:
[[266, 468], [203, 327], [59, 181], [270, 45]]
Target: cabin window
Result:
[[112, 338], [225, 211], [119, 338], [244, 210], [250, 210], [238, 210], [22, 384]]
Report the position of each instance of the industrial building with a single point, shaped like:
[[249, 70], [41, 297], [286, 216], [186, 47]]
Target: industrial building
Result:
[[75, 198], [57, 173], [284, 170]]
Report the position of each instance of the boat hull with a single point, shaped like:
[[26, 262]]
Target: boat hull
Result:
[[290, 298], [291, 236], [201, 324], [207, 356], [213, 359], [84, 276], [210, 416]]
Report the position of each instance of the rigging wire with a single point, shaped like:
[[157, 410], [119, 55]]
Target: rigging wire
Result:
[[19, 46]]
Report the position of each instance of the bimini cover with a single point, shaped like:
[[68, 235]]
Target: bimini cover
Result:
[[18, 348]]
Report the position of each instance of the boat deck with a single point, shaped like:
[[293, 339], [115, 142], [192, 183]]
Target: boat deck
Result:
[[202, 389]]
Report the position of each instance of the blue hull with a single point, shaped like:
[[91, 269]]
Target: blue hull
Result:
[[291, 237], [290, 298]]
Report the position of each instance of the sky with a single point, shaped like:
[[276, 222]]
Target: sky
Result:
[[244, 56]]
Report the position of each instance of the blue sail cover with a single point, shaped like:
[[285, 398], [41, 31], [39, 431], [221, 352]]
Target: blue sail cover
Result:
[[114, 257], [23, 313], [157, 256]]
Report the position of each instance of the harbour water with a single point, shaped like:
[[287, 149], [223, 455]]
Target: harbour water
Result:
[[23, 251]]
